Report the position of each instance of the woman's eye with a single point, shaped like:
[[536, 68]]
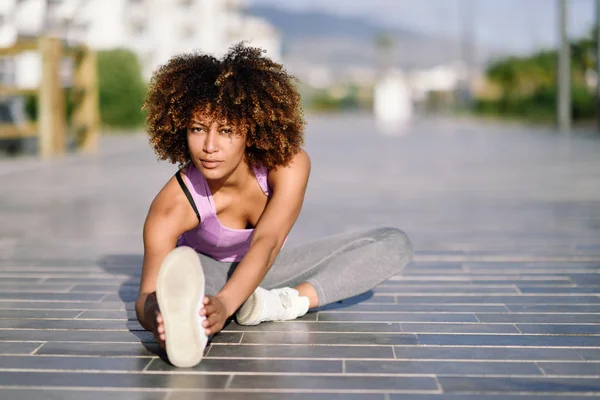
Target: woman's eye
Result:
[[226, 131], [196, 129]]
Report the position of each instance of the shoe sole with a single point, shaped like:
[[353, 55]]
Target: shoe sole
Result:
[[179, 290]]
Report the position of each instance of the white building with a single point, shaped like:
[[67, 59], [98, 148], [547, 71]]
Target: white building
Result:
[[154, 29], [392, 100], [441, 78]]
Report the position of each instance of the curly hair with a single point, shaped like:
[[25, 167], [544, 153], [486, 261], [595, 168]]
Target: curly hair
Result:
[[245, 88]]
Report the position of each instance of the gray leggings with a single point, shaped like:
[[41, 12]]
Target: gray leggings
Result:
[[338, 267]]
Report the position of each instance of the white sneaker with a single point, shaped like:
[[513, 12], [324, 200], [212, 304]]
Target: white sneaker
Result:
[[272, 305], [180, 290]]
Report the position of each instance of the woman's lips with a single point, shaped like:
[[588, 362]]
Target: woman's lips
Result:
[[210, 164]]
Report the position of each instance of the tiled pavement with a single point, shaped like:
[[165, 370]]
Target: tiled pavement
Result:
[[502, 301]]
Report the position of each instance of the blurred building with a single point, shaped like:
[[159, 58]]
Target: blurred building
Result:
[[154, 29]]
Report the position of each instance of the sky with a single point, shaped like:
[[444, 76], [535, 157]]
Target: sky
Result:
[[513, 25]]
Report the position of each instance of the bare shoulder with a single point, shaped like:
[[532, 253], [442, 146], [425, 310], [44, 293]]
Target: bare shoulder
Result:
[[297, 171], [172, 203]]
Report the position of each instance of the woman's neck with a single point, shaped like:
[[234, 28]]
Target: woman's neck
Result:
[[234, 182]]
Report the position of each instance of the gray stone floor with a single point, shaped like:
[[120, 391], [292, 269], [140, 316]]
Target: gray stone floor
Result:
[[502, 301]]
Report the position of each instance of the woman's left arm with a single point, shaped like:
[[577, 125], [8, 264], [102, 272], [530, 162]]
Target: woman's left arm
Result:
[[288, 186]]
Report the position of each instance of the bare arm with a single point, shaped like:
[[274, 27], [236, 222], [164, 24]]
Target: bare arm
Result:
[[289, 186], [169, 216]]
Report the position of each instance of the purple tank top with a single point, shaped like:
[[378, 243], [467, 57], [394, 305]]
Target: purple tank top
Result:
[[210, 237]]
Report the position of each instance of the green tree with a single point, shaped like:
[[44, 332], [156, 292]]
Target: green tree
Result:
[[529, 84], [121, 88]]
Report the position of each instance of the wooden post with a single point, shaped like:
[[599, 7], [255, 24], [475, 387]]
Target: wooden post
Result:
[[598, 63], [86, 116], [51, 102], [563, 105]]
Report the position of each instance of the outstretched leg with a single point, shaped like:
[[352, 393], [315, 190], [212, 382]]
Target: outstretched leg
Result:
[[341, 266], [326, 271]]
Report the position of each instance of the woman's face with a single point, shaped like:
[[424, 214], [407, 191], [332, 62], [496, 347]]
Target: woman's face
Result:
[[216, 147]]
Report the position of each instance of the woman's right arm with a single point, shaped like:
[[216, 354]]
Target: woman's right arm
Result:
[[169, 216]]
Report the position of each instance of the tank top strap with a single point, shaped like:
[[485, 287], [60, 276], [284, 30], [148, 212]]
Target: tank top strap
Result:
[[261, 176], [199, 190]]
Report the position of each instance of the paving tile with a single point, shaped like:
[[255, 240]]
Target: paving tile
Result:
[[31, 280], [63, 305], [458, 328], [111, 280], [540, 318], [410, 270], [87, 394], [385, 299], [256, 366], [116, 380], [50, 268], [589, 354], [227, 338], [487, 396], [441, 367], [521, 385], [33, 288], [312, 338], [107, 288], [38, 314], [208, 395], [556, 329], [71, 324], [585, 279], [445, 290], [97, 314], [73, 363], [435, 264], [567, 308], [127, 296], [99, 349], [502, 299], [75, 336], [51, 296], [301, 351], [395, 317], [485, 353], [18, 347], [317, 327], [462, 308], [531, 268], [559, 290], [333, 382], [508, 340], [570, 368]]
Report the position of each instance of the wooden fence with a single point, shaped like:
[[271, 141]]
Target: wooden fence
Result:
[[51, 126]]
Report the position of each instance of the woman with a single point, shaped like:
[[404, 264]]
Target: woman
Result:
[[214, 234]]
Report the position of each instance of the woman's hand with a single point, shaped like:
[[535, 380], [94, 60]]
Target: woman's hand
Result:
[[216, 314]]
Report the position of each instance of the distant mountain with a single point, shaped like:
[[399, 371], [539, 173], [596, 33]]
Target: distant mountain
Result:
[[296, 25], [336, 41]]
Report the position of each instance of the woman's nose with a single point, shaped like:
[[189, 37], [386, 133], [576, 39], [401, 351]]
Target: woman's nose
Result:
[[210, 143]]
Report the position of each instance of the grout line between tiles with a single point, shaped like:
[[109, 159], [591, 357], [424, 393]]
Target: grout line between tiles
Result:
[[540, 368], [228, 383], [37, 348]]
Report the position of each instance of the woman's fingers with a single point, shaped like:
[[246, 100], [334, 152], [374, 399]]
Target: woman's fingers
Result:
[[207, 310], [160, 330]]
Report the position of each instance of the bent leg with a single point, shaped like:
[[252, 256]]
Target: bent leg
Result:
[[343, 265]]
